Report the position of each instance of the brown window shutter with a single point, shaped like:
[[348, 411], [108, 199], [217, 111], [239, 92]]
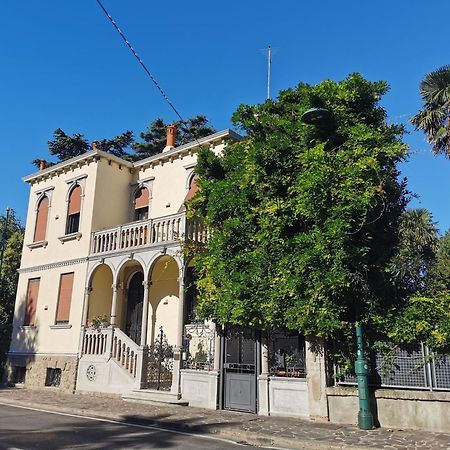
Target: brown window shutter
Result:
[[64, 297], [75, 201], [32, 297], [41, 220], [193, 189], [141, 198]]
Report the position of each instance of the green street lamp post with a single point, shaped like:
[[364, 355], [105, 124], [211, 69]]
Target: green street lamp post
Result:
[[365, 418], [322, 117]]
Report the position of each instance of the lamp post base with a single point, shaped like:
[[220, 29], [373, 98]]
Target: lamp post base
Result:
[[365, 420]]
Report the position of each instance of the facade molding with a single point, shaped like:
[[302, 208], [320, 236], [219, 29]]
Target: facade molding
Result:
[[54, 265], [9, 354]]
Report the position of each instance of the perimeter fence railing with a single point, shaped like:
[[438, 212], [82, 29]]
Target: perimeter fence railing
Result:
[[413, 366]]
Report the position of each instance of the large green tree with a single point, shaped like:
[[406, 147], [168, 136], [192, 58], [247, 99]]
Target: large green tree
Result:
[[434, 117], [303, 219], [13, 239]]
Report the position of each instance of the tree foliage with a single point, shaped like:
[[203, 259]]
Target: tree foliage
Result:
[[154, 138], [439, 272], [415, 253], [8, 278], [434, 117], [303, 219], [64, 146]]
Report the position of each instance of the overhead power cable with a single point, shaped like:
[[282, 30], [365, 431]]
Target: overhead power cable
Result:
[[139, 60]]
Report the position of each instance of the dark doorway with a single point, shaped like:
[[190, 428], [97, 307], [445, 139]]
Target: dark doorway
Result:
[[135, 304], [239, 370]]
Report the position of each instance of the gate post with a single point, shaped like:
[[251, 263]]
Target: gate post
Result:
[[316, 377], [263, 378]]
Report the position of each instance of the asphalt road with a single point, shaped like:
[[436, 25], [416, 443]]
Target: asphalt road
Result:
[[24, 428]]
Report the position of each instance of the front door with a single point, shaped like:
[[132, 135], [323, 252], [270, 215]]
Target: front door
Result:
[[239, 370], [135, 304]]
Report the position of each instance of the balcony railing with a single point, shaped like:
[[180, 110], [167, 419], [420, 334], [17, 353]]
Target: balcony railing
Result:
[[150, 232]]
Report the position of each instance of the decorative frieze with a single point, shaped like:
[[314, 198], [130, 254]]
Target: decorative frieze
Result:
[[54, 265]]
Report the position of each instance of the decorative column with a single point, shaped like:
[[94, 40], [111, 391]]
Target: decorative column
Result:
[[84, 315], [175, 389], [263, 378], [180, 329], [115, 287], [144, 327], [87, 293]]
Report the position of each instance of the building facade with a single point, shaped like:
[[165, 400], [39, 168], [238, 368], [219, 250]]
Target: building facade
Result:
[[106, 300]]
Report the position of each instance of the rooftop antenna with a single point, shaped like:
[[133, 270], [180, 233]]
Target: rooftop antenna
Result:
[[269, 64]]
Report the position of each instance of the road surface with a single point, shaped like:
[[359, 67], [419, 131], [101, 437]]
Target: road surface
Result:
[[27, 428]]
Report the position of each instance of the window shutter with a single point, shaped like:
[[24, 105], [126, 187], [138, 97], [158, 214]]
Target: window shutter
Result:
[[32, 296], [193, 189], [41, 220], [75, 200], [141, 198], [64, 297]]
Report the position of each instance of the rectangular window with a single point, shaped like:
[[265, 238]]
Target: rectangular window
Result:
[[19, 374], [53, 377], [64, 298], [73, 223], [31, 301]]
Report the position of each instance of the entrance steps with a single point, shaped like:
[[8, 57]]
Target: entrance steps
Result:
[[152, 396]]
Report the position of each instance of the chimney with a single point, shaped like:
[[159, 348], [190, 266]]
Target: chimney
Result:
[[171, 135], [94, 145], [42, 164]]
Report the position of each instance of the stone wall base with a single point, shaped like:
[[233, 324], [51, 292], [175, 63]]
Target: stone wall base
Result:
[[35, 367], [393, 408], [200, 388]]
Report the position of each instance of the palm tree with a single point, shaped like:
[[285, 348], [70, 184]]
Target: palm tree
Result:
[[433, 118], [416, 252]]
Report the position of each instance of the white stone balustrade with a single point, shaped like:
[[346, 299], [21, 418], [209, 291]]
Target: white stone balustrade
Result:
[[112, 343], [150, 232]]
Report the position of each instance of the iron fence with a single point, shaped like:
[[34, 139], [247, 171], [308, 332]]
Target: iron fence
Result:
[[413, 366], [287, 354], [198, 343]]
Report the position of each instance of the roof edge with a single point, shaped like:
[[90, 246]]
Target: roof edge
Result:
[[227, 133], [76, 159]]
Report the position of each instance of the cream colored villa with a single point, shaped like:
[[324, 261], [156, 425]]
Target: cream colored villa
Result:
[[106, 301]]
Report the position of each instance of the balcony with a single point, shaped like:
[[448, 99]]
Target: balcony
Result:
[[173, 229]]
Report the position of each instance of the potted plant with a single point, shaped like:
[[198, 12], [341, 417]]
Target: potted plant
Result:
[[100, 321]]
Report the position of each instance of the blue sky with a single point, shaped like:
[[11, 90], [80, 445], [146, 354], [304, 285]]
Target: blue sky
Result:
[[63, 65]]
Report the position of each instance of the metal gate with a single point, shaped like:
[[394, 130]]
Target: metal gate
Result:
[[239, 370], [160, 364]]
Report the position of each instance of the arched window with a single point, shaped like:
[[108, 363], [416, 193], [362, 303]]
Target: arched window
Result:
[[193, 189], [141, 202], [41, 220], [74, 209]]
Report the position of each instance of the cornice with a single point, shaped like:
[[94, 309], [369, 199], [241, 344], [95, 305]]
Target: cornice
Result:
[[95, 155], [73, 163], [69, 262]]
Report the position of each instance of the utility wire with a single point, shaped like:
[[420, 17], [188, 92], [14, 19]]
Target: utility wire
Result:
[[139, 60]]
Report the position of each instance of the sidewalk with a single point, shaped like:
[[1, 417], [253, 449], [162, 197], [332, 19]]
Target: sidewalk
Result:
[[240, 427]]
